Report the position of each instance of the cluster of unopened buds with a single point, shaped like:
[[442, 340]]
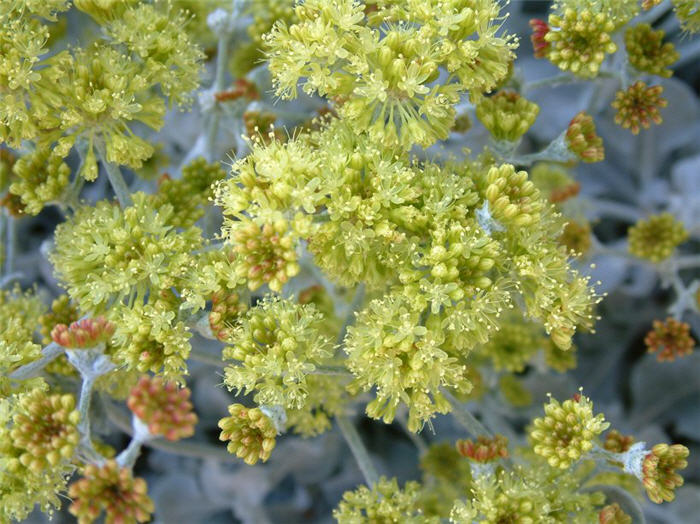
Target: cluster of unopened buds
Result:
[[485, 449], [669, 339], [84, 333]]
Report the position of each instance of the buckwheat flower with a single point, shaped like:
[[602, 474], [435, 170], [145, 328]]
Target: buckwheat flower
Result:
[[688, 13], [539, 43], [513, 198], [513, 345], [41, 177], [266, 253], [189, 194], [383, 503], [613, 514], [659, 471], [617, 442], [19, 316], [84, 333], [656, 238], [639, 106], [648, 52], [507, 115], [576, 237], [226, 308], [164, 407], [44, 428], [276, 345], [579, 40], [669, 339], [485, 449], [582, 139], [250, 432], [112, 489], [105, 253], [566, 432]]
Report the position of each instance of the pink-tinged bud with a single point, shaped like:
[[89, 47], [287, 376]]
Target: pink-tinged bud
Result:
[[85, 333]]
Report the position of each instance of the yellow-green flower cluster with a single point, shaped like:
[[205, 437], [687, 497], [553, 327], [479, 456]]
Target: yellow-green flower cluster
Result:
[[688, 13], [576, 237], [190, 193], [514, 344], [507, 115], [566, 432], [19, 316], [647, 51], [656, 238], [276, 345], [383, 503], [112, 489], [44, 428], [250, 432], [41, 177], [105, 253], [384, 80], [23, 488], [579, 38]]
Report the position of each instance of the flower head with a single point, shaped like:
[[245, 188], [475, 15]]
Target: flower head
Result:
[[670, 339], [647, 51], [250, 432], [613, 514], [576, 237], [617, 442], [659, 471], [226, 308], [485, 449], [639, 106], [507, 115], [84, 333], [567, 430], [164, 406], [656, 238], [582, 139], [112, 489], [45, 429]]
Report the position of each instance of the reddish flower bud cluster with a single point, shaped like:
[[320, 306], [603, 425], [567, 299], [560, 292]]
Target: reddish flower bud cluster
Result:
[[669, 339], [85, 333], [639, 106], [164, 407], [539, 31], [659, 471], [225, 309], [562, 194], [485, 449], [113, 489], [582, 139], [241, 88], [613, 514], [617, 442]]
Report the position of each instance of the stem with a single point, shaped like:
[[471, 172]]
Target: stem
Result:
[[114, 174], [465, 418], [84, 408], [358, 449], [219, 83], [687, 262], [49, 353], [127, 458], [551, 81], [206, 358]]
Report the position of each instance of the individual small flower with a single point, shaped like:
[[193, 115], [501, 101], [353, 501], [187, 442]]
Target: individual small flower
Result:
[[485, 449], [617, 442], [613, 514], [648, 52], [507, 115], [580, 40], [85, 333], [266, 253], [567, 430], [383, 503], [164, 406], [226, 308], [659, 471], [45, 429], [112, 489], [655, 238], [539, 43], [639, 106], [250, 432], [582, 139], [670, 339], [576, 237]]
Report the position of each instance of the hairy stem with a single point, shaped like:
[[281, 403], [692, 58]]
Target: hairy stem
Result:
[[48, 354], [358, 449]]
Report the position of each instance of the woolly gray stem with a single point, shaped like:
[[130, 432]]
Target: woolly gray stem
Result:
[[218, 85], [84, 407], [48, 354], [358, 449], [465, 418], [114, 175]]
